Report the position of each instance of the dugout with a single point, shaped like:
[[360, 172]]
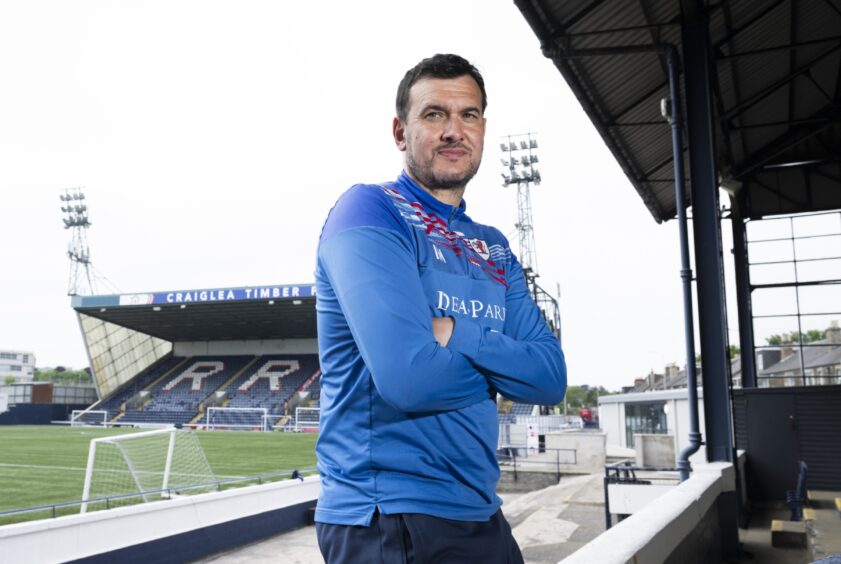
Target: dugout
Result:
[[125, 334]]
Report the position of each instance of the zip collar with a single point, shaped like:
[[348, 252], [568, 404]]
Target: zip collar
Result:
[[428, 201]]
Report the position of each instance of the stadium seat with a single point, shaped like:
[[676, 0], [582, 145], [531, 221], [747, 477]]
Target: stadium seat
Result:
[[264, 382]]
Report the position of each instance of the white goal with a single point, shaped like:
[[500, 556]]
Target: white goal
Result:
[[140, 467], [83, 417], [307, 419], [237, 418]]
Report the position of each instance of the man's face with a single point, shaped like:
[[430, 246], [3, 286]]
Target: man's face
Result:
[[444, 132]]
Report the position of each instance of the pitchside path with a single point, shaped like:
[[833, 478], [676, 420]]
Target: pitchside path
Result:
[[549, 525]]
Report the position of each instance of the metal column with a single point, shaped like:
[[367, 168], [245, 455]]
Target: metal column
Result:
[[709, 268], [712, 319], [743, 294]]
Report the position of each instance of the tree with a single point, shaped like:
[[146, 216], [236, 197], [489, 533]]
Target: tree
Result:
[[584, 396], [9, 380], [63, 376], [575, 398], [796, 337], [813, 335]]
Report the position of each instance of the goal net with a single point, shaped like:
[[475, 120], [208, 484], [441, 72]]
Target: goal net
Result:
[[82, 417], [307, 419], [237, 418], [141, 467]]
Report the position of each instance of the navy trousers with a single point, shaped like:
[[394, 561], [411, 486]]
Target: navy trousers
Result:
[[411, 538]]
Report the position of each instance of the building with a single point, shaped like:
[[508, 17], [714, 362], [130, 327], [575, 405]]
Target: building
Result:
[[655, 412], [19, 364], [674, 378], [810, 364]]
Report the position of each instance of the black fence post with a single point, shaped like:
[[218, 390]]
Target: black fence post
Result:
[[607, 520], [514, 460]]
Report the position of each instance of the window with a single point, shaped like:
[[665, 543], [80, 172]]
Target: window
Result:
[[649, 417]]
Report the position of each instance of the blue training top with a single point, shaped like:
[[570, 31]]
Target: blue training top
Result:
[[409, 426]]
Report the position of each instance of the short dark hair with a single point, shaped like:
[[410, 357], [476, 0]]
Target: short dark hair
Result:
[[437, 66]]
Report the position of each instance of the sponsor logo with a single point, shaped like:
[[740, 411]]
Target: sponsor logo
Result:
[[480, 247], [471, 308], [268, 292]]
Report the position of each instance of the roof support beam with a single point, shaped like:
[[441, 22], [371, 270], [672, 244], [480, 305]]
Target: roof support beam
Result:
[[820, 89], [787, 47], [807, 180], [770, 89], [659, 88], [654, 34], [838, 82], [791, 138], [743, 293], [725, 125], [706, 225], [776, 192], [583, 13], [832, 5], [758, 16], [657, 167], [819, 172], [792, 58], [779, 123]]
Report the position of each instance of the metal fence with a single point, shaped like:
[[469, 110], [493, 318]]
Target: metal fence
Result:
[[624, 472], [547, 459], [514, 430], [51, 511]]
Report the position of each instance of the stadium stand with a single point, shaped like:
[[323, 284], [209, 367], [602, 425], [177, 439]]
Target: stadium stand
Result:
[[314, 388], [269, 382], [176, 399], [114, 404], [175, 390]]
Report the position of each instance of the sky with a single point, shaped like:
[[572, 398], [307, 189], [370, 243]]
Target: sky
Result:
[[211, 139]]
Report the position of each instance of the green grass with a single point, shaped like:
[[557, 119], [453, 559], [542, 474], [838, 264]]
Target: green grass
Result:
[[42, 465]]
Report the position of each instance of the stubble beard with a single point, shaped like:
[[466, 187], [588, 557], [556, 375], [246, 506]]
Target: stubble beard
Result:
[[432, 181]]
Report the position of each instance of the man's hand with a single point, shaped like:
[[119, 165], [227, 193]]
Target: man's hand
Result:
[[442, 329]]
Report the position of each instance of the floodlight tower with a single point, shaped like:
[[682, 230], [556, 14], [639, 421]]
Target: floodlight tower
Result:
[[76, 218], [519, 157]]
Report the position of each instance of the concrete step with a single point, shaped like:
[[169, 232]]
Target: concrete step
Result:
[[788, 534]]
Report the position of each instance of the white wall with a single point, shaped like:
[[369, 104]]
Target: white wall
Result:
[[79, 536], [612, 423], [589, 450], [4, 403], [612, 415], [652, 533], [269, 346], [627, 499], [681, 428]]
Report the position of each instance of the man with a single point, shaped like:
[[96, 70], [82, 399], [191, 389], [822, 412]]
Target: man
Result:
[[423, 317]]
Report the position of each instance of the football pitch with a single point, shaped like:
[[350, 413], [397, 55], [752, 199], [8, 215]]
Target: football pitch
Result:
[[43, 464]]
